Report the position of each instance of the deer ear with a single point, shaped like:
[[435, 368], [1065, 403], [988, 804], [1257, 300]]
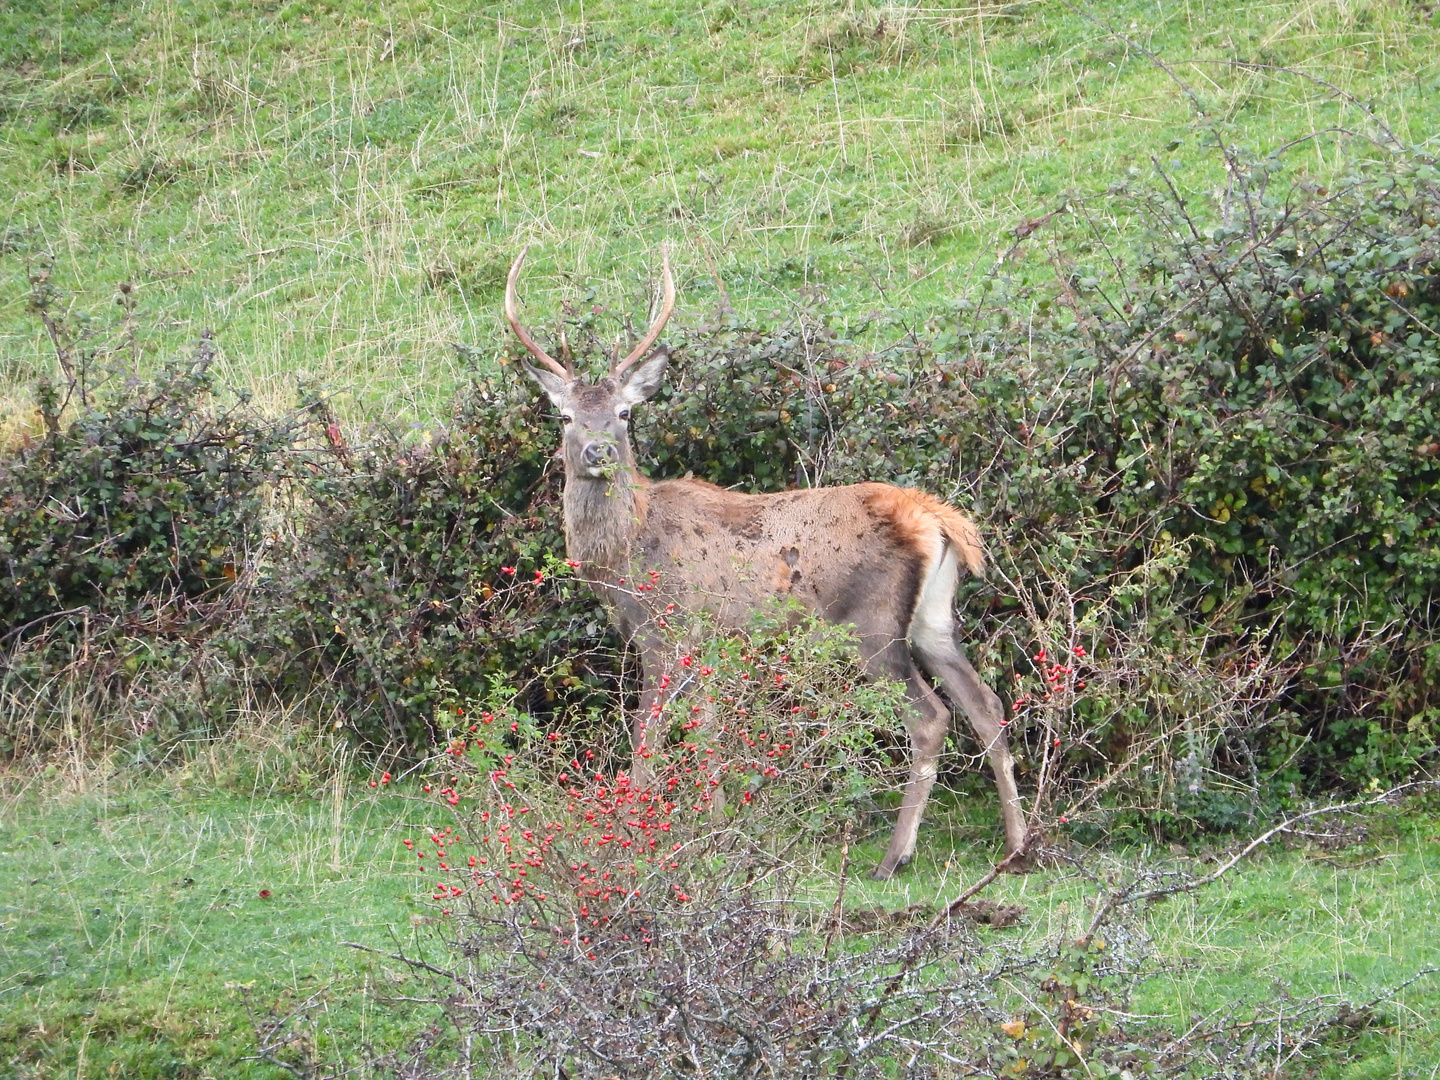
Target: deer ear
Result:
[[642, 380], [554, 386]]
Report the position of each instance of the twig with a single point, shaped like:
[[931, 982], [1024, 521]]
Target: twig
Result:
[[1006, 864], [837, 913], [1251, 65], [82, 609], [1284, 826], [408, 961], [1390, 993]]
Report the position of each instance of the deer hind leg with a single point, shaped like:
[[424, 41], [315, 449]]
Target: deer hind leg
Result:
[[928, 722], [985, 713], [712, 766], [933, 638]]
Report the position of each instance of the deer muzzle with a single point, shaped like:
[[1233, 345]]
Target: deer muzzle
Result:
[[598, 456]]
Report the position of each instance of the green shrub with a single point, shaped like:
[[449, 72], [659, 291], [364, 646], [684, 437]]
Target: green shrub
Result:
[[1254, 401], [1256, 380], [427, 570], [148, 492], [122, 529], [1259, 397]]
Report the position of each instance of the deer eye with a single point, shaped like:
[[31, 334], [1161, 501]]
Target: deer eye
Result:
[[566, 419], [624, 414]]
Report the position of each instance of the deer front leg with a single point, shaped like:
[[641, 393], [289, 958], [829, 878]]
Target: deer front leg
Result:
[[648, 723]]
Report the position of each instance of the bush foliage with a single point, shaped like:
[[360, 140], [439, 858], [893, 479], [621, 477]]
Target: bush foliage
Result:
[[425, 573], [1249, 389], [125, 525], [149, 492], [1217, 434]]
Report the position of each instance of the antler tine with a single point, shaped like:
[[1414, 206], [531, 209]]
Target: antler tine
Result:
[[512, 313], [666, 307]]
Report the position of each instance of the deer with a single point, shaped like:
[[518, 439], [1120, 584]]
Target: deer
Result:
[[884, 560]]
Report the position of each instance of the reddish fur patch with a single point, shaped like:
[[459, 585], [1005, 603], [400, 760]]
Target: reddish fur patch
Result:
[[918, 517], [780, 579]]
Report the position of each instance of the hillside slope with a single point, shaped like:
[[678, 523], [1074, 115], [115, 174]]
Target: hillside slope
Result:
[[338, 187]]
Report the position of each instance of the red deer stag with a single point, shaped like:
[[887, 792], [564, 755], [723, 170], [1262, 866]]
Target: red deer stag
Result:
[[884, 559]]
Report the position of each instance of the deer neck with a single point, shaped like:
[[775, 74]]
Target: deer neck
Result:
[[603, 515]]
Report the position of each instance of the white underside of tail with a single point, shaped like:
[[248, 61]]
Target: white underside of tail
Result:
[[932, 630]]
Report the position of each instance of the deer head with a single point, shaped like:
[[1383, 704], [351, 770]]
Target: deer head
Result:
[[597, 416]]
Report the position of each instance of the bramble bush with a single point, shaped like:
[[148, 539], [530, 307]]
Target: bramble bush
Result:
[[125, 523], [148, 493], [424, 569], [1256, 382]]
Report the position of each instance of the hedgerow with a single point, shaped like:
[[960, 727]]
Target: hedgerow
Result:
[[125, 523], [1206, 457], [424, 574]]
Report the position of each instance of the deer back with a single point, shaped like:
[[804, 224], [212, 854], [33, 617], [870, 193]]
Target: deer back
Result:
[[859, 555]]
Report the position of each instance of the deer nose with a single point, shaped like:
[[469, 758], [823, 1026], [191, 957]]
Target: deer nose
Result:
[[597, 454]]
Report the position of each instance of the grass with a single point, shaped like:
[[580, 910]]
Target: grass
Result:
[[1300, 921], [136, 942], [337, 188]]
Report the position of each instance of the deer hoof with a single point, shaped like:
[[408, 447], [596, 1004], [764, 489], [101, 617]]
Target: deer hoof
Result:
[[888, 867]]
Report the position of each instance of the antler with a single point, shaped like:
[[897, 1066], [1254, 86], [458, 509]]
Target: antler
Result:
[[512, 313], [666, 307]]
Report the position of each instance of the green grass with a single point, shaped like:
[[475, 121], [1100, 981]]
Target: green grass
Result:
[[1301, 922], [136, 941], [337, 188], [131, 921]]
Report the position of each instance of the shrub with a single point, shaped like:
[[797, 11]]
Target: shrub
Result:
[[1256, 382], [150, 492], [607, 925], [123, 527], [589, 924], [426, 569]]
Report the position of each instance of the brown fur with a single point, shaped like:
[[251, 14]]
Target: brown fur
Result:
[[728, 552]]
